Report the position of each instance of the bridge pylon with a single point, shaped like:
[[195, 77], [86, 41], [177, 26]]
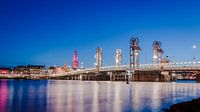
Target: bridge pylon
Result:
[[118, 57], [134, 53], [157, 52], [134, 56], [98, 57]]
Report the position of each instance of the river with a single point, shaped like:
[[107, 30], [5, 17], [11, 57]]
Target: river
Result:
[[92, 96]]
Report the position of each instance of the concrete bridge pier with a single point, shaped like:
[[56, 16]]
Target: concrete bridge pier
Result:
[[130, 75], [85, 77], [165, 76], [111, 75], [198, 77], [81, 77], [74, 78]]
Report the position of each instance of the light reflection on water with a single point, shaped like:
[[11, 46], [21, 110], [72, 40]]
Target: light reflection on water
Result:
[[83, 96]]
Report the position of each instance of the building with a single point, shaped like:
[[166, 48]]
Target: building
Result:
[[75, 63], [36, 69], [5, 71], [21, 70], [30, 70], [52, 70]]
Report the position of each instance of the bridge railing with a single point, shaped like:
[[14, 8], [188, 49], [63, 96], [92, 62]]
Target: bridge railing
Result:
[[108, 68], [173, 65], [169, 66]]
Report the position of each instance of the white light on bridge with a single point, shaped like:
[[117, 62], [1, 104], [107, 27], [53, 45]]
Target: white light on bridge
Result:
[[194, 46]]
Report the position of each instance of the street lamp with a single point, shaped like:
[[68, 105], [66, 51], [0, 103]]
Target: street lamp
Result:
[[81, 65], [194, 47]]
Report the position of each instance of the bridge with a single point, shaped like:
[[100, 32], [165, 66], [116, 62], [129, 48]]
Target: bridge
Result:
[[122, 71], [162, 69]]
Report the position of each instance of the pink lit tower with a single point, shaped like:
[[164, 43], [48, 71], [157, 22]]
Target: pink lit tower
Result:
[[75, 60]]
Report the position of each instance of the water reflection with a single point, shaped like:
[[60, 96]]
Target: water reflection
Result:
[[3, 93], [78, 96], [22, 96]]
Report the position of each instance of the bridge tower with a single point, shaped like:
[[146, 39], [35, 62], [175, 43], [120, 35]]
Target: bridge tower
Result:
[[98, 58], [134, 53], [157, 52], [118, 57], [75, 63]]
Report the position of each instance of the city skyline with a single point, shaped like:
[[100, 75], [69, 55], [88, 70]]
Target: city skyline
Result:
[[48, 32]]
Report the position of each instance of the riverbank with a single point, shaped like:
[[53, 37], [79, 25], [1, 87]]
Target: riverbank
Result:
[[26, 77], [190, 106]]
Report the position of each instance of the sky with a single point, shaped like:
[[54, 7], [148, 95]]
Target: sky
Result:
[[48, 31]]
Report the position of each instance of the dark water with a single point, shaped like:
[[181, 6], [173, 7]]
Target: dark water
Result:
[[77, 96]]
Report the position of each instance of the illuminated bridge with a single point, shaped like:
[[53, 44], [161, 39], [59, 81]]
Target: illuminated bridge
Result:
[[144, 72], [162, 69]]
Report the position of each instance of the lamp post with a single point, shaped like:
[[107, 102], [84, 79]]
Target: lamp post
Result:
[[81, 65], [194, 47]]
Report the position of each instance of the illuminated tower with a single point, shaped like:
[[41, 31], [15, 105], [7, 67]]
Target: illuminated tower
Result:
[[98, 58], [75, 60], [157, 52], [118, 57], [134, 53]]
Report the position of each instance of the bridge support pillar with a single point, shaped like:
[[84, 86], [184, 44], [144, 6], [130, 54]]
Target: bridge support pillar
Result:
[[198, 77], [81, 77], [165, 76], [111, 76]]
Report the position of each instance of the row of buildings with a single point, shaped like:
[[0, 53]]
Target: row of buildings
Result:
[[40, 69], [33, 70]]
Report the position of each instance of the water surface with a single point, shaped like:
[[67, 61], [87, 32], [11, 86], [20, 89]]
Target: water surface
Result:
[[92, 96]]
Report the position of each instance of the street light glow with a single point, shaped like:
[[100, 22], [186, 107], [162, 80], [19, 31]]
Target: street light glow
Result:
[[194, 46]]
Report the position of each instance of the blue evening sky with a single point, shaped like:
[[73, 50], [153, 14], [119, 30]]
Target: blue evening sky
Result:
[[48, 31]]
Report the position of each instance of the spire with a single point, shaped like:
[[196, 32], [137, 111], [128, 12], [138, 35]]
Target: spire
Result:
[[75, 63]]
